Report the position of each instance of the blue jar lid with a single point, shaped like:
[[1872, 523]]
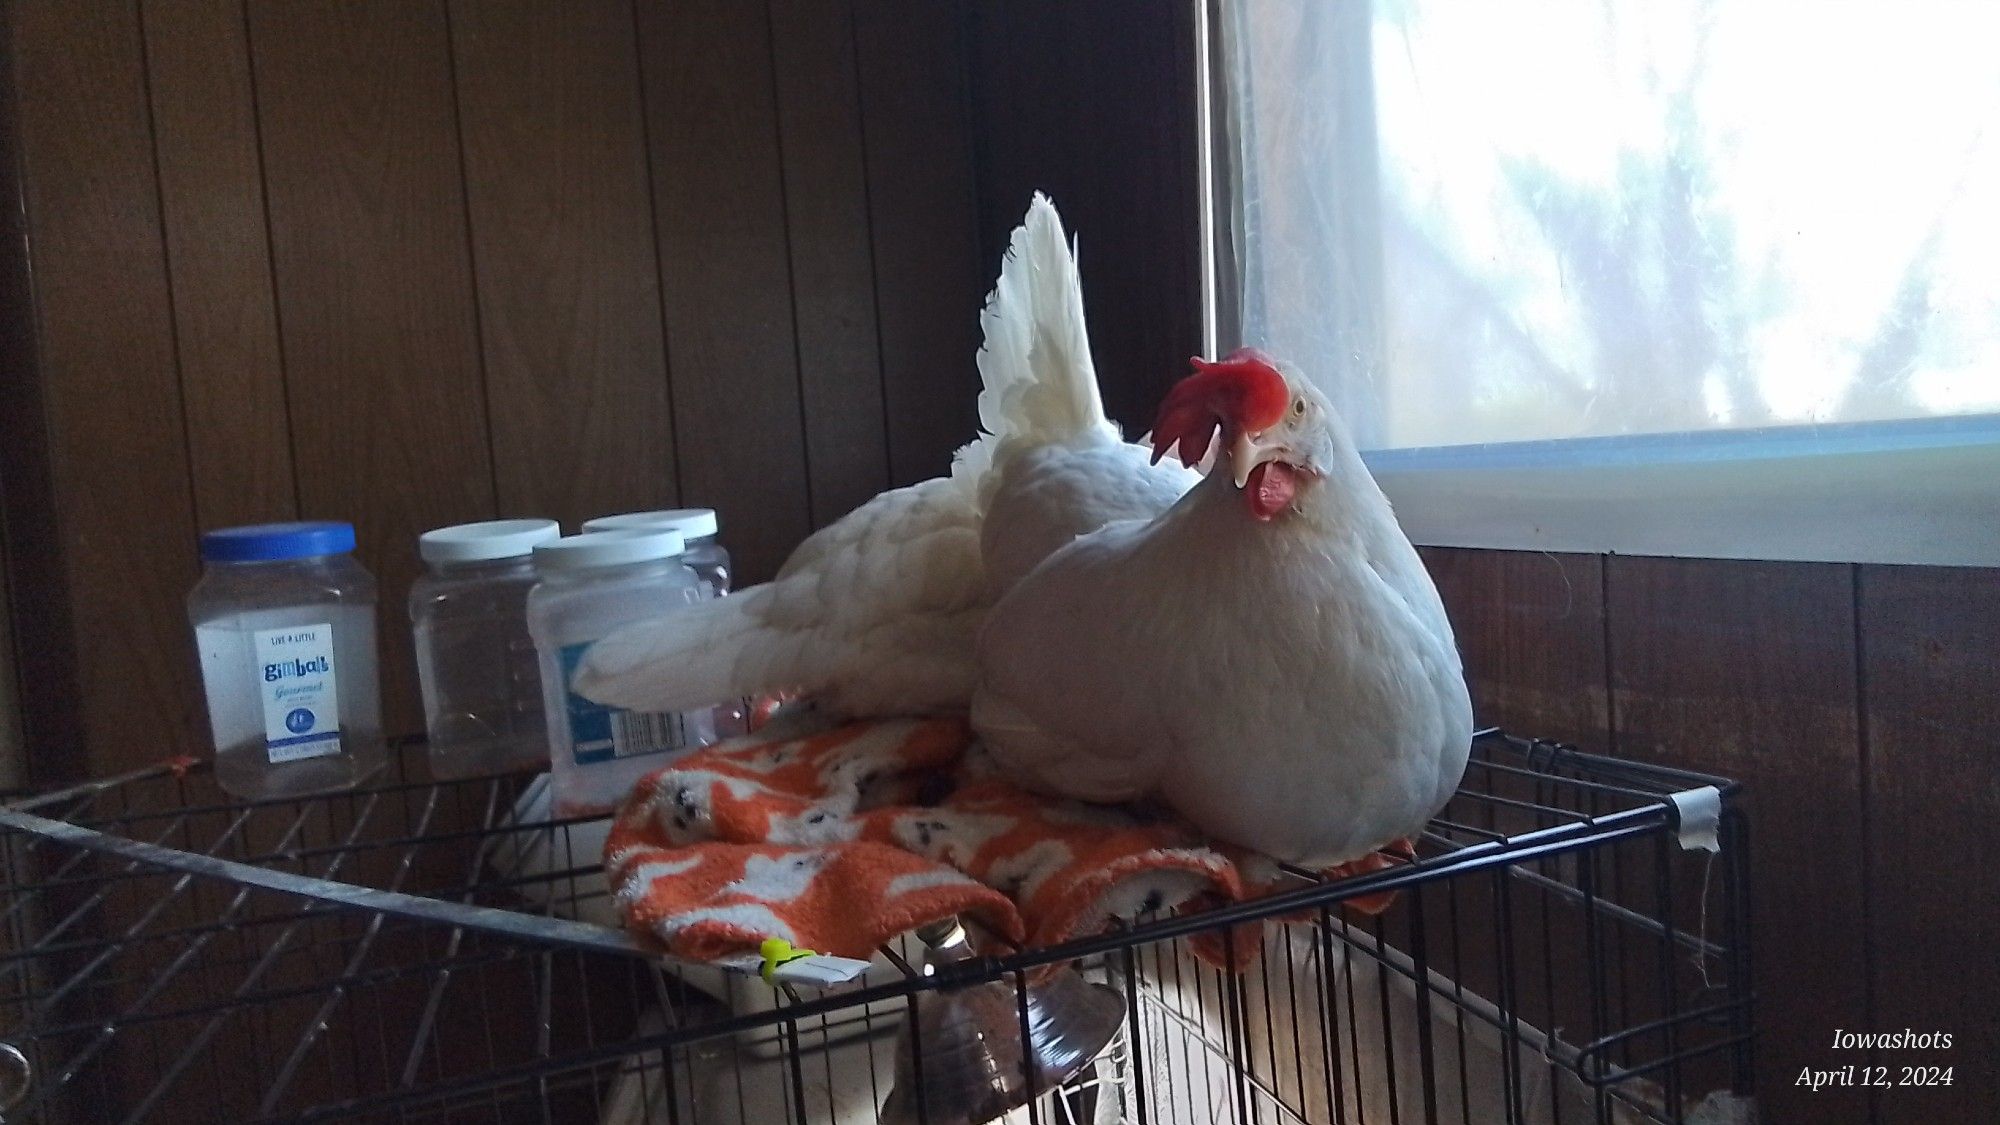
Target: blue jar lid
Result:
[[269, 542]]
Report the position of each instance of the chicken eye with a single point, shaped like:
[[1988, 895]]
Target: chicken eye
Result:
[[1298, 408]]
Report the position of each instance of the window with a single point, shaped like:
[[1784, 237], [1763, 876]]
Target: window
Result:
[[1705, 278]]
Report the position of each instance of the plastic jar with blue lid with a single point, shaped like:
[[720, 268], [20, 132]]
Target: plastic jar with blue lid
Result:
[[284, 623]]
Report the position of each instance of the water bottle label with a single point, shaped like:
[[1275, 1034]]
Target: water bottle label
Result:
[[301, 696], [600, 734]]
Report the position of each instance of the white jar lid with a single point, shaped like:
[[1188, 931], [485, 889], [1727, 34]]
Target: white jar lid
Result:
[[694, 523], [608, 548], [484, 541]]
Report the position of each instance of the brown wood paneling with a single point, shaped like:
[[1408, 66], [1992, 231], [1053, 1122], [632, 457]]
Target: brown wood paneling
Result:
[[118, 467], [1136, 98], [219, 262], [719, 198], [1933, 721], [1748, 670], [569, 294], [42, 649], [368, 231], [1098, 109], [11, 743], [1023, 87], [1530, 628], [430, 261], [929, 279], [833, 265]]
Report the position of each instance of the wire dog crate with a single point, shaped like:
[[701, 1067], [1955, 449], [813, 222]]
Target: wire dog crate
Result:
[[1555, 954]]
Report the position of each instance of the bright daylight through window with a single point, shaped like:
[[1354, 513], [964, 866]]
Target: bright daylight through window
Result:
[[1765, 229]]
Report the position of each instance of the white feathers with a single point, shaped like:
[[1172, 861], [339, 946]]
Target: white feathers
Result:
[[1038, 386], [874, 614], [711, 643], [1289, 686], [877, 612]]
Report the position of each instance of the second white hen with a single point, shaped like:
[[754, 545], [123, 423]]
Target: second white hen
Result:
[[876, 613]]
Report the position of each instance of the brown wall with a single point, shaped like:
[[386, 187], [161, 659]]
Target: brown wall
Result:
[[415, 263], [1857, 704]]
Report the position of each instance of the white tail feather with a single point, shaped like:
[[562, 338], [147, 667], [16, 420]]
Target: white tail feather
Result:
[[1038, 384], [906, 565], [703, 649]]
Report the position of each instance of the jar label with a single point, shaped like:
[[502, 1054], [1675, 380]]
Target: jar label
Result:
[[301, 696], [600, 734]]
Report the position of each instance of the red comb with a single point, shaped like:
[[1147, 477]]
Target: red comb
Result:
[[1243, 391]]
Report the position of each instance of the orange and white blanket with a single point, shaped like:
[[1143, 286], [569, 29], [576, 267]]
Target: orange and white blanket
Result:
[[839, 840]]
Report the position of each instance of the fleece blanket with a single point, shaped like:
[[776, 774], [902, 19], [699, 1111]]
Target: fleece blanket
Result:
[[838, 840]]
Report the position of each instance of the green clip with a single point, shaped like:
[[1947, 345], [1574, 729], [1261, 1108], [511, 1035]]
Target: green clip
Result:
[[777, 951]]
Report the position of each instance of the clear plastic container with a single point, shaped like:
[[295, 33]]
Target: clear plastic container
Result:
[[590, 586], [709, 561], [476, 663], [698, 526], [284, 622]]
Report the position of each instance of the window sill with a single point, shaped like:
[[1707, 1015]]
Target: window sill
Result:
[[1925, 491]]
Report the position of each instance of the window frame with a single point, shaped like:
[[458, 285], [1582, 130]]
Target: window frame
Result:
[[1919, 491]]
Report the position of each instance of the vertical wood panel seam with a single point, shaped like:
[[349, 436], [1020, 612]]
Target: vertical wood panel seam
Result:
[[653, 224], [13, 727], [791, 265], [868, 214], [968, 123], [166, 265], [471, 259], [1610, 681], [1187, 104], [1866, 779], [271, 262], [15, 153], [37, 712], [982, 140]]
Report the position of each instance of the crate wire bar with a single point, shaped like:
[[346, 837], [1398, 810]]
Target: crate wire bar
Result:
[[393, 954]]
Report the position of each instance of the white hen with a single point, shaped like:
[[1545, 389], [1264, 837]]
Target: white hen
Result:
[[876, 613], [1271, 661]]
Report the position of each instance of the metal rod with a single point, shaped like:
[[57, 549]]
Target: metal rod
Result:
[[508, 923], [103, 784]]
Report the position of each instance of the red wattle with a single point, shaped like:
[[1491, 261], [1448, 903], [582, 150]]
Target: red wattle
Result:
[[1270, 488]]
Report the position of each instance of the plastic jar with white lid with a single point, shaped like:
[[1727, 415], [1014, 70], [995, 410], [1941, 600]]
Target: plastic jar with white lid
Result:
[[590, 586], [698, 526], [482, 685], [284, 622], [709, 561]]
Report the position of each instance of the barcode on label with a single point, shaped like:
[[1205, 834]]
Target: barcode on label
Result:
[[634, 733]]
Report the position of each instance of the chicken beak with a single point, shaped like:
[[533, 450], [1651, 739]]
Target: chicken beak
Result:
[[1245, 454]]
